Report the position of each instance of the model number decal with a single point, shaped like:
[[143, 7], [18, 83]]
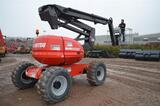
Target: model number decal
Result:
[[56, 47], [39, 45], [72, 48]]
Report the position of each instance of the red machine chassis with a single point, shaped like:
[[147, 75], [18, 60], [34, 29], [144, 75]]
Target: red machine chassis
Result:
[[74, 69]]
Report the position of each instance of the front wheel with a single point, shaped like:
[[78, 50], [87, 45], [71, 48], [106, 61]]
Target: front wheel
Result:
[[54, 84], [96, 73]]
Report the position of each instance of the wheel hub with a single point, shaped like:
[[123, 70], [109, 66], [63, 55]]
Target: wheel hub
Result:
[[100, 73], [59, 85]]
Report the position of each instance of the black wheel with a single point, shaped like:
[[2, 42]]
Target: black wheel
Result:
[[96, 73], [19, 79], [54, 84]]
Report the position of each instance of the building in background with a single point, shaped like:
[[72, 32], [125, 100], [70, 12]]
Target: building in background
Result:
[[148, 38], [105, 39], [131, 38]]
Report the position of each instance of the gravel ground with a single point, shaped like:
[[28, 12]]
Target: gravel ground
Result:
[[129, 83]]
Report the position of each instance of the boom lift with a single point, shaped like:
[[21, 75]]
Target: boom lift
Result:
[[60, 55]]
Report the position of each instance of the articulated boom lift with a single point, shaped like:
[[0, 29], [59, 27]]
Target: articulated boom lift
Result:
[[60, 55], [68, 18]]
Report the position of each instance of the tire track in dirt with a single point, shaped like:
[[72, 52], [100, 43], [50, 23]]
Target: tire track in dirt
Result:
[[136, 75], [151, 70], [137, 80], [131, 62], [145, 74], [147, 79]]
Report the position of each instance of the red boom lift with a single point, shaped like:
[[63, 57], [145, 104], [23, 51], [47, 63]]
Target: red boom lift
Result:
[[61, 54]]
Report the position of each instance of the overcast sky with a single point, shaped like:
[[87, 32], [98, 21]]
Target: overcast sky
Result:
[[20, 17]]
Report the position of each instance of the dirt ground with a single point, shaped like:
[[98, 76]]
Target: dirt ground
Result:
[[129, 83]]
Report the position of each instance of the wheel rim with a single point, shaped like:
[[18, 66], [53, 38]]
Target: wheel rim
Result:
[[100, 73], [25, 79], [59, 85]]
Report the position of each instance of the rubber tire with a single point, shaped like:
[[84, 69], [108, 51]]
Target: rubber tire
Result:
[[16, 76], [92, 73], [45, 82]]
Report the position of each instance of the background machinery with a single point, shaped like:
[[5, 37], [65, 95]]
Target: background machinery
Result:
[[2, 45], [16, 45], [23, 46], [12, 45], [59, 55]]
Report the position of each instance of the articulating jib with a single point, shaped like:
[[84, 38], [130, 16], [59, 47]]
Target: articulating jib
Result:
[[68, 18]]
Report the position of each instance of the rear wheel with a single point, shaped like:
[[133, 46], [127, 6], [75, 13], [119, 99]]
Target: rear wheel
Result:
[[54, 84], [19, 78], [96, 73]]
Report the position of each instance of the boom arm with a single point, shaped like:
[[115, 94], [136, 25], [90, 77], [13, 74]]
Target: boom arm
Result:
[[68, 18]]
